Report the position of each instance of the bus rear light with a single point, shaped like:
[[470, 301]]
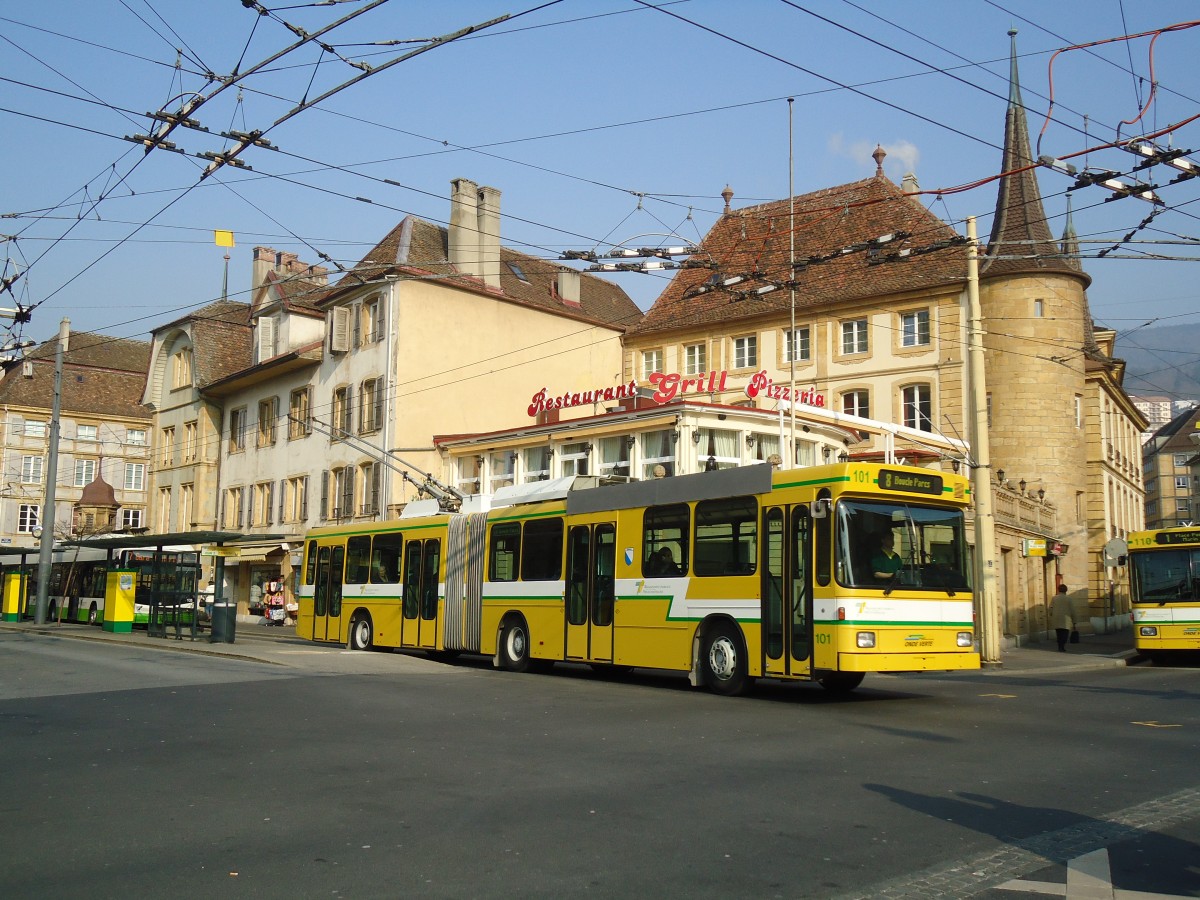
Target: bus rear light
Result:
[[965, 639], [865, 640], [841, 614], [1148, 631]]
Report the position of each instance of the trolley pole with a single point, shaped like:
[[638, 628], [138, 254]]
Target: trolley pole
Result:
[[47, 520], [981, 474]]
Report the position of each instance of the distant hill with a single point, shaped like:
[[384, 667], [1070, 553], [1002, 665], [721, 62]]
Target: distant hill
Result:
[[1163, 361]]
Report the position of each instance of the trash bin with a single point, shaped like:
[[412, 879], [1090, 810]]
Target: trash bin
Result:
[[224, 622]]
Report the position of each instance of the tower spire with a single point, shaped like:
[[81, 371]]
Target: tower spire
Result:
[[1021, 240]]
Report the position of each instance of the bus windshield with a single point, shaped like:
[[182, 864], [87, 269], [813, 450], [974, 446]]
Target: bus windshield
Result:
[[1162, 576], [889, 545]]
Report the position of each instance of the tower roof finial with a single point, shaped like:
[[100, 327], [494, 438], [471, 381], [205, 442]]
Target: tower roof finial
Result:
[[878, 156]]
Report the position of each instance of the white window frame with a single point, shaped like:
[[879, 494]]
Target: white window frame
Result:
[[695, 358], [135, 437], [33, 469], [914, 328], [858, 393], [745, 351], [135, 476], [132, 517], [805, 343], [855, 339], [90, 433], [29, 516], [85, 472], [652, 361], [912, 398]]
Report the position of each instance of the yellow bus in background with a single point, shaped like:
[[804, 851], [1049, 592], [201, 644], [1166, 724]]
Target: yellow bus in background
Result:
[[728, 576], [1165, 590]]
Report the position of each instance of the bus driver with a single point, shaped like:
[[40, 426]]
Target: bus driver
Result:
[[886, 563]]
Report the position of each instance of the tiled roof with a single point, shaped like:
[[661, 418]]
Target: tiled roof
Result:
[[296, 293], [102, 376], [756, 238], [419, 246], [222, 340]]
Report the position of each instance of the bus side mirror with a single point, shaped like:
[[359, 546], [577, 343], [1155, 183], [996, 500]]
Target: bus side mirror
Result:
[[1122, 560], [819, 509]]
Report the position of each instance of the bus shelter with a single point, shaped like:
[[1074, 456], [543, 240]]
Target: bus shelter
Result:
[[171, 589]]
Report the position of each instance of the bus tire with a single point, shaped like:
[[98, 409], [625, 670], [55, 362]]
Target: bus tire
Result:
[[51, 612], [514, 646], [92, 614], [724, 660], [361, 632], [840, 682]]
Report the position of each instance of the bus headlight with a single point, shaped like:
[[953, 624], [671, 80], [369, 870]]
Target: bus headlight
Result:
[[1148, 630], [865, 640], [965, 639]]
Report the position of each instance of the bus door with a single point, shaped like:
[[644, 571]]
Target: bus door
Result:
[[327, 594], [787, 602], [590, 591], [422, 569]]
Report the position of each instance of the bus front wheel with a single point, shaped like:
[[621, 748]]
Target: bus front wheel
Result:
[[841, 682], [724, 661], [361, 637], [514, 646]]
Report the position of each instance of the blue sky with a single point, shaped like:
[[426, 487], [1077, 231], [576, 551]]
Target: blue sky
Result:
[[602, 122]]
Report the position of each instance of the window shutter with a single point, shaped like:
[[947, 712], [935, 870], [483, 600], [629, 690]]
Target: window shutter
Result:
[[347, 423], [302, 486], [224, 508], [347, 492], [376, 473], [356, 311], [308, 411], [363, 409], [269, 503], [266, 338], [249, 495], [378, 423], [339, 332], [282, 501], [324, 494], [380, 321]]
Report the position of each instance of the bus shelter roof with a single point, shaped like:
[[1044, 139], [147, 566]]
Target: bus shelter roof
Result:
[[124, 541]]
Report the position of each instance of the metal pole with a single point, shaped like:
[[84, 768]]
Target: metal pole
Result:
[[47, 520], [791, 455], [981, 475]]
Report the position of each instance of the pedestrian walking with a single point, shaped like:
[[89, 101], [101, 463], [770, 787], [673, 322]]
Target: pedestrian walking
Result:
[[1062, 617]]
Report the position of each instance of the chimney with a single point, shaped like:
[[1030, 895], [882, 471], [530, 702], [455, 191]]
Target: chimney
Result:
[[909, 184], [568, 287], [264, 264], [463, 238], [489, 236]]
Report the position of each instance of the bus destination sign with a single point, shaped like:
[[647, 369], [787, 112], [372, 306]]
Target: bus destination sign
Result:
[[912, 482], [1191, 536]]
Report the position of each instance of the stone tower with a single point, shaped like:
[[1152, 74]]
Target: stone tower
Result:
[[1038, 329]]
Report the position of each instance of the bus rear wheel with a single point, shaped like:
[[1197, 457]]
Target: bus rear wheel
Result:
[[361, 636], [724, 661], [92, 613], [841, 682], [514, 646]]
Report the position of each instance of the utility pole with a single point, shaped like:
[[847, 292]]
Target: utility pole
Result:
[[981, 472], [791, 454], [47, 520]]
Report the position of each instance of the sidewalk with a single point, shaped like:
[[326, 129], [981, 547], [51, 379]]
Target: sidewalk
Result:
[[261, 642]]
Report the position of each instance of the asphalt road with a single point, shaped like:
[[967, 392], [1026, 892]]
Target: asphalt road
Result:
[[322, 773]]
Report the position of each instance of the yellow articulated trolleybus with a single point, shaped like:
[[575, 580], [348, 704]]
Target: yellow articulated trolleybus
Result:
[[728, 576], [1165, 590]]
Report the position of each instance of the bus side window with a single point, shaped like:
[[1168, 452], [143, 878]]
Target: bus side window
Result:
[[310, 566], [504, 550], [358, 559], [385, 558], [541, 556]]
